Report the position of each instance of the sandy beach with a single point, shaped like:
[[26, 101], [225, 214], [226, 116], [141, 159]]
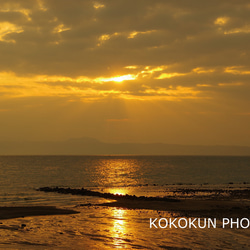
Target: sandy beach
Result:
[[27, 211], [122, 223], [234, 205], [185, 207], [191, 208]]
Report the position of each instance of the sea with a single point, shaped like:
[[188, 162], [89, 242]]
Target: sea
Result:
[[98, 227]]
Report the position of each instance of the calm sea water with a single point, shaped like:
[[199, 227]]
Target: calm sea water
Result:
[[21, 175]]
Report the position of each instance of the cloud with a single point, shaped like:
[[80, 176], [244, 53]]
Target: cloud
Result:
[[176, 51], [66, 35]]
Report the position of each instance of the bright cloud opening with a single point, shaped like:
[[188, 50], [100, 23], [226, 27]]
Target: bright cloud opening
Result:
[[128, 77]]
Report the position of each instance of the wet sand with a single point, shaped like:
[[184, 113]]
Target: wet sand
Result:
[[123, 223], [190, 207], [233, 206], [16, 212]]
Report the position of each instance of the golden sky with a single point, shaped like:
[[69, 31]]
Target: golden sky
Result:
[[173, 71]]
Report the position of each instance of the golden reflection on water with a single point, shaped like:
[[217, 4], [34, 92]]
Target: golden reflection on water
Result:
[[119, 191], [119, 229], [118, 176], [118, 172]]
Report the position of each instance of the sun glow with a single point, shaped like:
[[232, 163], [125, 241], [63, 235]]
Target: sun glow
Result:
[[128, 77]]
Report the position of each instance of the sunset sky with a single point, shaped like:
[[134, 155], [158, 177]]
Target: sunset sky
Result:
[[172, 71]]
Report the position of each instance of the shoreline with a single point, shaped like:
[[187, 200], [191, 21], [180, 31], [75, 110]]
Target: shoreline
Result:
[[27, 211], [189, 207], [236, 205]]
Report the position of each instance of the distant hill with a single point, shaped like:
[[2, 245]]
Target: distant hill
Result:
[[90, 146]]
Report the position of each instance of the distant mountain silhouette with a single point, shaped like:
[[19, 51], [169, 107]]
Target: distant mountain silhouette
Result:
[[91, 146]]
